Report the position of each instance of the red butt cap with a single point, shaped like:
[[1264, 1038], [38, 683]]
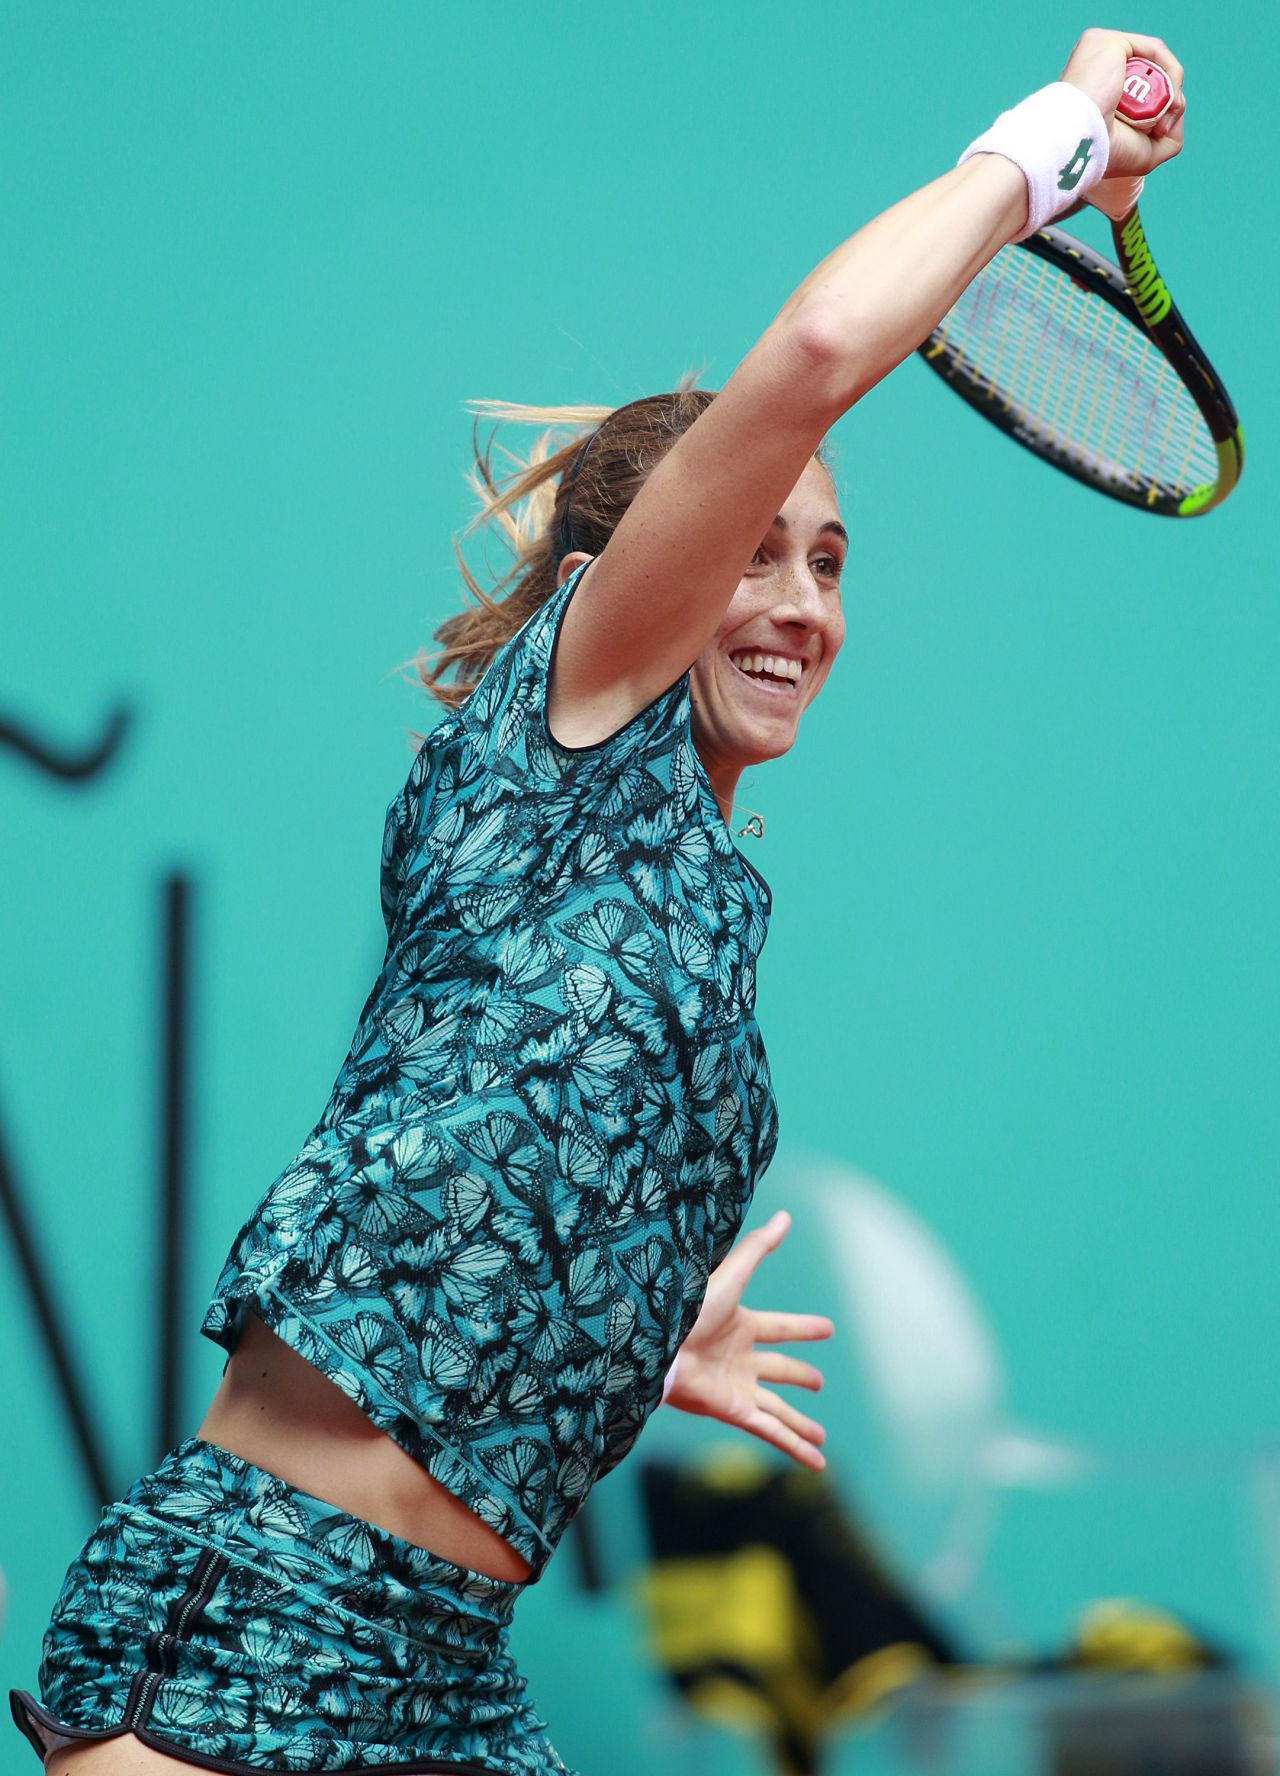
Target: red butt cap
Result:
[[1147, 94]]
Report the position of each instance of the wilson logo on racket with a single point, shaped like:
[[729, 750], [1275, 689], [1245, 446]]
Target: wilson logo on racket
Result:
[[1138, 88], [1146, 286]]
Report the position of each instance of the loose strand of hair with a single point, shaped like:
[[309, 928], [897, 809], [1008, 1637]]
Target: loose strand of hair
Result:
[[517, 498], [520, 505]]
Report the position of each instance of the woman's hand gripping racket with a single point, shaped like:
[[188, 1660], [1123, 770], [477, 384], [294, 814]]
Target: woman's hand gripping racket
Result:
[[1088, 363]]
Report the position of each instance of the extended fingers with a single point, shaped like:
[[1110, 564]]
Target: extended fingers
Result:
[[773, 1366], [747, 1254], [778, 1408], [786, 1328], [772, 1430]]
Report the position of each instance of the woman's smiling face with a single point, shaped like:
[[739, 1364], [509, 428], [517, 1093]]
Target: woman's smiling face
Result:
[[786, 617]]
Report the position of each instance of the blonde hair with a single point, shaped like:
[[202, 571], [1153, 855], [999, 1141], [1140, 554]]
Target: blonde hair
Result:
[[562, 496]]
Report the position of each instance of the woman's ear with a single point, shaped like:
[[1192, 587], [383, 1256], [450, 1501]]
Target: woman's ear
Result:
[[574, 559]]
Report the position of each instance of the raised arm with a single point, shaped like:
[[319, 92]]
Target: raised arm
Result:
[[656, 594]]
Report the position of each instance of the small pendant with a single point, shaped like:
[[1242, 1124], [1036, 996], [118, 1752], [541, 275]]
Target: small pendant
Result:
[[754, 829]]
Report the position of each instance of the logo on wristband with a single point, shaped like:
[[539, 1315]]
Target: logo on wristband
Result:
[[1071, 174]]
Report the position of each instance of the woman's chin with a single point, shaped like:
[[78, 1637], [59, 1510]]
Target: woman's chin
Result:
[[754, 746]]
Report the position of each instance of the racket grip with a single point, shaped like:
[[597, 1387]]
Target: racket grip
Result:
[[1147, 94]]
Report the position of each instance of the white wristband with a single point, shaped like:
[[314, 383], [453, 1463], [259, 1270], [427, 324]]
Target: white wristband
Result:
[[669, 1383], [1059, 139]]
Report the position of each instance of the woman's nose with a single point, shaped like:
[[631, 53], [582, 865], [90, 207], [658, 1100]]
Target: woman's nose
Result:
[[798, 588]]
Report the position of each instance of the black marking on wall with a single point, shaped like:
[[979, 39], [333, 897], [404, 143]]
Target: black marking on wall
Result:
[[59, 762]]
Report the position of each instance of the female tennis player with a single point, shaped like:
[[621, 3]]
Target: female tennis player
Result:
[[459, 1304]]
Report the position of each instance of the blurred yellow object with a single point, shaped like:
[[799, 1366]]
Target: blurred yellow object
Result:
[[1122, 1634], [768, 1610], [740, 1607]]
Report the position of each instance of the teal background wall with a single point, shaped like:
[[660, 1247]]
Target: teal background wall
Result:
[[1024, 958]]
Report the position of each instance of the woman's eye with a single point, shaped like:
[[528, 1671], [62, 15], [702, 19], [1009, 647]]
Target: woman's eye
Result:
[[829, 566]]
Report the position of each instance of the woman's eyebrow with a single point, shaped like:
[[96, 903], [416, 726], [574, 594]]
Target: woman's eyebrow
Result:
[[832, 525]]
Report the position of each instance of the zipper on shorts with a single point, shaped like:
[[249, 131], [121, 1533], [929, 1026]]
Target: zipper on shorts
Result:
[[161, 1646]]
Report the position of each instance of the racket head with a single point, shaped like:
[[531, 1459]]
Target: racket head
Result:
[[1093, 369]]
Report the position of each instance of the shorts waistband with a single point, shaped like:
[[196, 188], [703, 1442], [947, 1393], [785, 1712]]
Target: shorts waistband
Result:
[[218, 1498]]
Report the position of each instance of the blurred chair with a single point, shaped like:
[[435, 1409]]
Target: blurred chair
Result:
[[931, 1376], [931, 1368]]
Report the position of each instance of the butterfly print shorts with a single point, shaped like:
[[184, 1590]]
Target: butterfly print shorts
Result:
[[238, 1624]]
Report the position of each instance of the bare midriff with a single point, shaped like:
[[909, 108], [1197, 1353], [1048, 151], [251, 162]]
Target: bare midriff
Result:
[[276, 1410]]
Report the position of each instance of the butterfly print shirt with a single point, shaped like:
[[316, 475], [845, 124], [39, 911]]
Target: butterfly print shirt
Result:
[[554, 1112]]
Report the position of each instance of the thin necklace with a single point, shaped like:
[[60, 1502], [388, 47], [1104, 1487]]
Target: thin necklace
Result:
[[754, 829]]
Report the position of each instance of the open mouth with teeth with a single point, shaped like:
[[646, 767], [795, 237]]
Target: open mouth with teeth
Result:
[[773, 673]]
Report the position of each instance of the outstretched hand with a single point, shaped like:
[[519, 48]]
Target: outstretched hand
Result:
[[721, 1373]]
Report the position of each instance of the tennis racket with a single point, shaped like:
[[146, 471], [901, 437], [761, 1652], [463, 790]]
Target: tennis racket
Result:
[[1090, 365]]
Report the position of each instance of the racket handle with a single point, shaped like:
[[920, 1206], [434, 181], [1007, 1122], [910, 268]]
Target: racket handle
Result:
[[1147, 94]]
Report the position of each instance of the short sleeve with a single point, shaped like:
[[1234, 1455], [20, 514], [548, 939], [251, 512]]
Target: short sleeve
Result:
[[507, 712]]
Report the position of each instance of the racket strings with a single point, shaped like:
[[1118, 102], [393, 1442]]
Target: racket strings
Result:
[[1084, 381]]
